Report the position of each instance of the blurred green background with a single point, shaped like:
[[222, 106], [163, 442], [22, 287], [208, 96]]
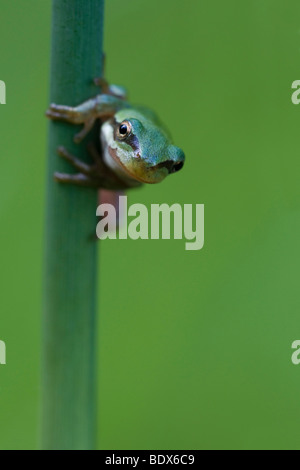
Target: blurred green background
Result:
[[195, 347]]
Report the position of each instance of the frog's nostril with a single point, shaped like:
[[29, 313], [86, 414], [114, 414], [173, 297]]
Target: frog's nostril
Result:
[[177, 167], [171, 166]]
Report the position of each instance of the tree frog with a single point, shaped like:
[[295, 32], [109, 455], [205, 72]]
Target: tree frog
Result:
[[136, 148]]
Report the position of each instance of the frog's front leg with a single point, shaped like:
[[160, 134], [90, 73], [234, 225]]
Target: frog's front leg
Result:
[[101, 106], [85, 114], [114, 90]]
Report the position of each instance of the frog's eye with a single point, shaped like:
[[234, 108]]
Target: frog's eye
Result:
[[124, 130]]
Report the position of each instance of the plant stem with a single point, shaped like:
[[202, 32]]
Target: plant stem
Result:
[[69, 355]]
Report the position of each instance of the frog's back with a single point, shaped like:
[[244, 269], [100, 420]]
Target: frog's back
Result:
[[144, 112]]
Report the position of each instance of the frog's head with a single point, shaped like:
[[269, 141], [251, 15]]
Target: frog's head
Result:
[[138, 148]]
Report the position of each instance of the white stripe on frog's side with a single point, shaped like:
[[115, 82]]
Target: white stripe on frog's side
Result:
[[108, 146]]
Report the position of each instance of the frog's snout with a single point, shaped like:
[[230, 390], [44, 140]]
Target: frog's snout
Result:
[[177, 166], [170, 165], [176, 159]]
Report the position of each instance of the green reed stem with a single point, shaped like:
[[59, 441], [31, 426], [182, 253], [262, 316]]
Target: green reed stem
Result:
[[69, 324]]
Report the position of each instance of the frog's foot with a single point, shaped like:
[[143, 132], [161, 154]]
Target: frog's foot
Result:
[[112, 90], [103, 84], [78, 179], [57, 112], [84, 178], [96, 175], [74, 116], [78, 164]]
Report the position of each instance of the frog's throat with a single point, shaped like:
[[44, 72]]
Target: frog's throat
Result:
[[122, 168]]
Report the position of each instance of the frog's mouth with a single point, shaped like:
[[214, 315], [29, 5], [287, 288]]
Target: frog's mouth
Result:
[[171, 166], [143, 174]]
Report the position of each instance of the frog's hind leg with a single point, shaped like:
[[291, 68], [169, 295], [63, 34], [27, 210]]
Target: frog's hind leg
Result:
[[96, 156], [84, 178], [78, 164], [89, 175], [78, 179]]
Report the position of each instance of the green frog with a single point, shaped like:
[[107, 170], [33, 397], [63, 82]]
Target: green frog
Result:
[[136, 148]]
